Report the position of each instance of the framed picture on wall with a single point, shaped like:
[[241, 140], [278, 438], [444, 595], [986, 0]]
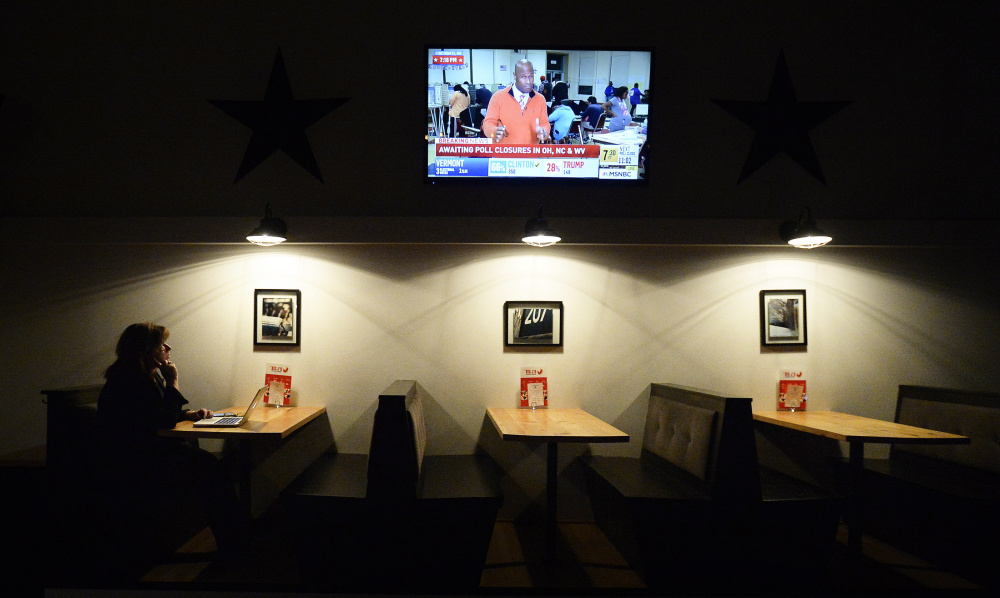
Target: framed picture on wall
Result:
[[783, 317], [538, 323], [277, 317]]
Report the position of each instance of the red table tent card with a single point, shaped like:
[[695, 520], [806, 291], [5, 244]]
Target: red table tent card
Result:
[[792, 395], [534, 388], [278, 380]]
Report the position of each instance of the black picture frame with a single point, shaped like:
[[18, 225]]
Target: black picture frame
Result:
[[277, 317], [783, 318], [533, 323]]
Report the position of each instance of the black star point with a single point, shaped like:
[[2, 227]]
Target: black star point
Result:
[[782, 124], [279, 122]]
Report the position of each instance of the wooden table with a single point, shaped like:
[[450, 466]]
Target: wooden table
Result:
[[856, 431], [628, 136], [552, 426], [264, 423]]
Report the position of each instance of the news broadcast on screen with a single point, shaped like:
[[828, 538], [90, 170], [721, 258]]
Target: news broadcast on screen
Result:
[[537, 114]]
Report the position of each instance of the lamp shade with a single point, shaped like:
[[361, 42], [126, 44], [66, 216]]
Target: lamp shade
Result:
[[804, 234], [538, 233], [270, 232]]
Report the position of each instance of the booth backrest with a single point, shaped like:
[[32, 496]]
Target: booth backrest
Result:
[[71, 434], [680, 433], [707, 435], [972, 414], [696, 514], [397, 446], [418, 523]]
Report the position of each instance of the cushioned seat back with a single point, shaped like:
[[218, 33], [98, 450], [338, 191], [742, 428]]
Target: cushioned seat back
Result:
[[681, 434], [968, 414], [397, 445], [73, 442], [708, 435], [418, 430]]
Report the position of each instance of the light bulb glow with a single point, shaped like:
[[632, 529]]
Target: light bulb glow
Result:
[[810, 242], [542, 240], [264, 240]]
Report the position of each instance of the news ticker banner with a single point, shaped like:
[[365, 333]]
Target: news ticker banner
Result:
[[448, 60], [478, 157]]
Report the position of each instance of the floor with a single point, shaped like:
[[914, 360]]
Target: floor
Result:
[[585, 564]]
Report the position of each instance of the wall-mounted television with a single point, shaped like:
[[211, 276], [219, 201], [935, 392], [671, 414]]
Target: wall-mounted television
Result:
[[526, 114]]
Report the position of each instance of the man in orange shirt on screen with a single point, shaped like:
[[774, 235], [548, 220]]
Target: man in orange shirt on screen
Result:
[[518, 114]]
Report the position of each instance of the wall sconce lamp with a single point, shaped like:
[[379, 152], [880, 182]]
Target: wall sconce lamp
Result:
[[538, 233], [270, 232], [803, 234]]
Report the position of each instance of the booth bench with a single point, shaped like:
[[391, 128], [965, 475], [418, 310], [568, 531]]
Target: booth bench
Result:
[[97, 531], [942, 502], [396, 519], [696, 513]]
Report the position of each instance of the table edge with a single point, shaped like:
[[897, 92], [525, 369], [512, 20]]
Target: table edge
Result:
[[784, 423], [623, 437], [189, 431]]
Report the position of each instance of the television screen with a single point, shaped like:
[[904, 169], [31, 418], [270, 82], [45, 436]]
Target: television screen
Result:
[[537, 114]]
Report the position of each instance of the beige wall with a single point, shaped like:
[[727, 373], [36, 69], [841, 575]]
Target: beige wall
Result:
[[375, 313]]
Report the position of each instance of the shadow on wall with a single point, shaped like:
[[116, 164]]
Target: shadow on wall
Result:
[[386, 261], [275, 463], [632, 421], [444, 434], [359, 433], [524, 482], [807, 457]]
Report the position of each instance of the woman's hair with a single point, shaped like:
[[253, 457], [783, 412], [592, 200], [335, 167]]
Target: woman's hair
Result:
[[461, 89], [621, 92], [136, 347]]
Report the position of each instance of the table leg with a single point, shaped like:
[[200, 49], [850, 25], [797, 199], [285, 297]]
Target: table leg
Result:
[[245, 465], [856, 468], [551, 474]]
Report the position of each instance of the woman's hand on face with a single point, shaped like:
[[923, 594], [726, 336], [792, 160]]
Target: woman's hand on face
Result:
[[169, 371], [167, 368]]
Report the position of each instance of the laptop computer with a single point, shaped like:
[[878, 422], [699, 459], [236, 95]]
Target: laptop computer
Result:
[[229, 420]]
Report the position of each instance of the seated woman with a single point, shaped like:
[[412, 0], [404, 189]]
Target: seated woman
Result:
[[141, 396], [617, 110]]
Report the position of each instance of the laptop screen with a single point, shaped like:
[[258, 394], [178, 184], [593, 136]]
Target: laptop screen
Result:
[[256, 399]]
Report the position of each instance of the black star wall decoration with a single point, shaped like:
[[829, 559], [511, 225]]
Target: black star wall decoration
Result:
[[782, 124], [279, 122]]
